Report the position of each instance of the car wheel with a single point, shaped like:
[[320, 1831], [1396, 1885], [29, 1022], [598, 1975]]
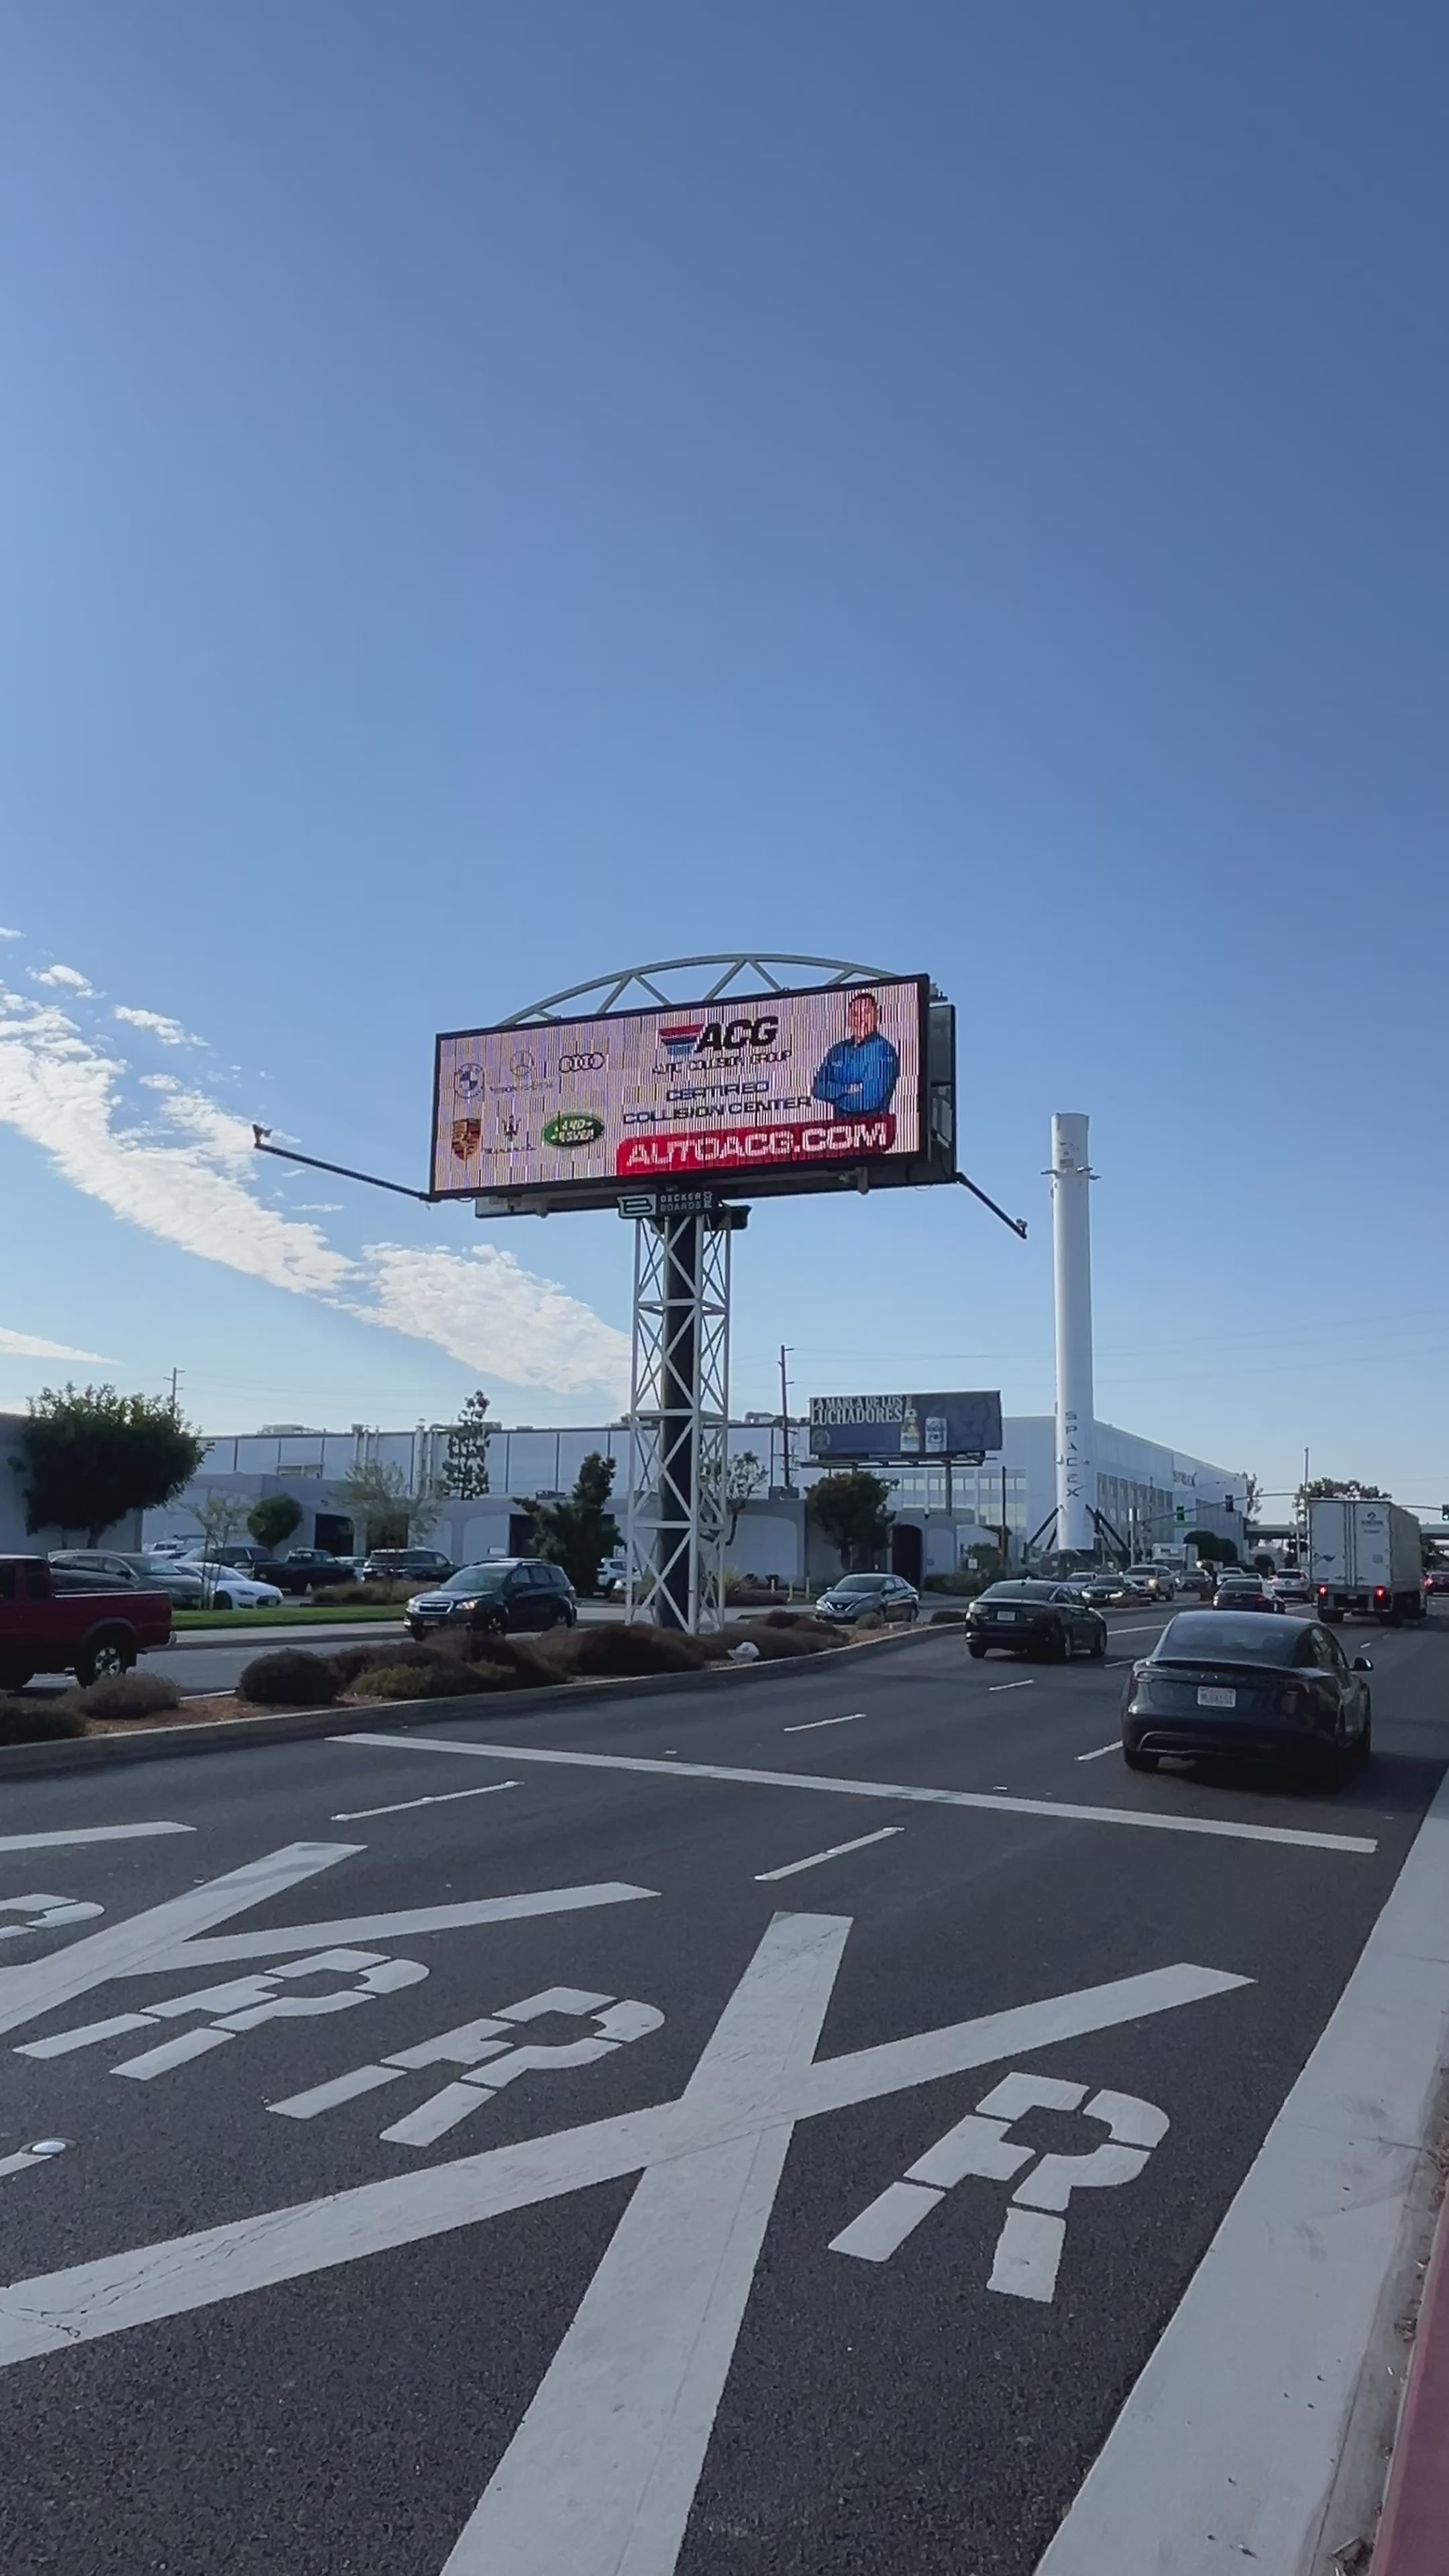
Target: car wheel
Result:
[[1136, 1761], [107, 1656], [1059, 1647], [1098, 1647], [1365, 1744], [13, 1677], [975, 1649], [416, 1631], [223, 1601]]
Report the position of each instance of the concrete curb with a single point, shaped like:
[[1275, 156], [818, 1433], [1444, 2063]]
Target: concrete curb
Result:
[[1415, 2521], [233, 1734]]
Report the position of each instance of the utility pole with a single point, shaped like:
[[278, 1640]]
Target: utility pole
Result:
[[175, 1389], [785, 1349]]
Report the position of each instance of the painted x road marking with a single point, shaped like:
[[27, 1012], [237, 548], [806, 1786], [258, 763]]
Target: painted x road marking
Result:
[[600, 2476]]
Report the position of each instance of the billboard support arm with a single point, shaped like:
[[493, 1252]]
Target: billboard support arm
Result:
[[1016, 1223], [343, 1171]]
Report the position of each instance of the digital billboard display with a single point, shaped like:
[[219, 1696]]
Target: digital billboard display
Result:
[[767, 1091], [904, 1427]]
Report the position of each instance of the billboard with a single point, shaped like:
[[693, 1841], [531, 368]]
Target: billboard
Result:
[[904, 1428], [773, 1091]]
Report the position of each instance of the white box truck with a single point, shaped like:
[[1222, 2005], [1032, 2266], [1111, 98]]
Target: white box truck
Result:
[[1365, 1556]]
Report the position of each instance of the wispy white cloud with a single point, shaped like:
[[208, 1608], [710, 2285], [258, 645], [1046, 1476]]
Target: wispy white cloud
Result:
[[183, 1168], [69, 978], [33, 1346], [12, 934], [170, 1032], [479, 1305]]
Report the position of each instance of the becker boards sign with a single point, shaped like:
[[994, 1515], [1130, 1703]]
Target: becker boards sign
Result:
[[904, 1427], [776, 1088]]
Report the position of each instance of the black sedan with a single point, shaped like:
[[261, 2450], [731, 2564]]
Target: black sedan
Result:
[[504, 1594], [1035, 1618], [1231, 1683], [870, 1596], [1103, 1591]]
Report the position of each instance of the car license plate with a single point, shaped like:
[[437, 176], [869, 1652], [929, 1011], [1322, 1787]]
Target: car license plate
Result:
[[1217, 1699], [1004, 1617]]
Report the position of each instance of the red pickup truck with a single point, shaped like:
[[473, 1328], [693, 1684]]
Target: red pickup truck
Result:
[[53, 1622]]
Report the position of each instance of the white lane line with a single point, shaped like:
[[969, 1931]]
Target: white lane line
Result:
[[1099, 1749], [1278, 2317], [764, 1876], [55, 2311], [133, 1947], [595, 2484], [348, 1929], [810, 1723], [441, 1798], [87, 1834], [993, 1687], [894, 1790]]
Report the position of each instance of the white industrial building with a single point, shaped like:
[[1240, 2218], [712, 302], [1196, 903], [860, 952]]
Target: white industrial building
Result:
[[1149, 1494]]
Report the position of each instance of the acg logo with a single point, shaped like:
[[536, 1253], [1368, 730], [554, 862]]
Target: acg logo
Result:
[[717, 1037]]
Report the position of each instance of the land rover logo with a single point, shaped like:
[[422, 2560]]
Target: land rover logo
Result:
[[573, 1127]]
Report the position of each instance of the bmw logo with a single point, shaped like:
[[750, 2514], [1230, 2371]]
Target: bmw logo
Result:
[[468, 1081]]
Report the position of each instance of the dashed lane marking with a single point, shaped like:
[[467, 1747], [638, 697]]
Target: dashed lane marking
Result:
[[809, 1725], [440, 1798], [994, 1687], [1099, 1749], [764, 1876]]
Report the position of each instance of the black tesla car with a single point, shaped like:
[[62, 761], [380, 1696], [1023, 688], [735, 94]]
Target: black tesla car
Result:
[[1035, 1618], [1231, 1682]]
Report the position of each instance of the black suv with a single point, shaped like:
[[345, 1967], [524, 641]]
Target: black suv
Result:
[[505, 1594]]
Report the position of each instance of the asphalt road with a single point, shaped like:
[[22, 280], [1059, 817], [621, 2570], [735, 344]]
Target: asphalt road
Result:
[[405, 2303]]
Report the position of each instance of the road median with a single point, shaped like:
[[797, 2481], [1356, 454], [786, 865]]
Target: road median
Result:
[[144, 1743]]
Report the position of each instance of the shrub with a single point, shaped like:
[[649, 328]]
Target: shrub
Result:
[[350, 1662], [38, 1721], [607, 1653], [125, 1695], [947, 1619], [288, 1678], [431, 1681]]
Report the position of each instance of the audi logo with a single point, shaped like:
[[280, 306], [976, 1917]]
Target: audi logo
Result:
[[582, 1063]]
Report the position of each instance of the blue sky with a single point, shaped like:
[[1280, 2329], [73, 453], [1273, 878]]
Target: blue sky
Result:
[[491, 493]]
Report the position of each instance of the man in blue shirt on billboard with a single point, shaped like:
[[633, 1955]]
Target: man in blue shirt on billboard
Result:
[[860, 1071]]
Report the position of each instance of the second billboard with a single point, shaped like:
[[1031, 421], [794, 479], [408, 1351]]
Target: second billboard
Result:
[[904, 1427]]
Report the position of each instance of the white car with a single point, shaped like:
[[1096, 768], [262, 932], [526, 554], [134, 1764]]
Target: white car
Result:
[[225, 1587]]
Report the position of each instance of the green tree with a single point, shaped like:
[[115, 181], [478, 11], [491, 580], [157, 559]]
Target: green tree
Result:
[[1252, 1500], [853, 1511], [744, 1478], [1211, 1549], [1323, 1489], [274, 1519], [380, 1498], [465, 1473], [90, 1456], [578, 1532]]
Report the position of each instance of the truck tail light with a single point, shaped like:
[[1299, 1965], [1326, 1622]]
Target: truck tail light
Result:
[[1323, 1592], [1381, 1592]]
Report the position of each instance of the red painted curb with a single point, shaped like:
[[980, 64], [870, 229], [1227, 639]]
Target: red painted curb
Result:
[[1413, 2534]]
